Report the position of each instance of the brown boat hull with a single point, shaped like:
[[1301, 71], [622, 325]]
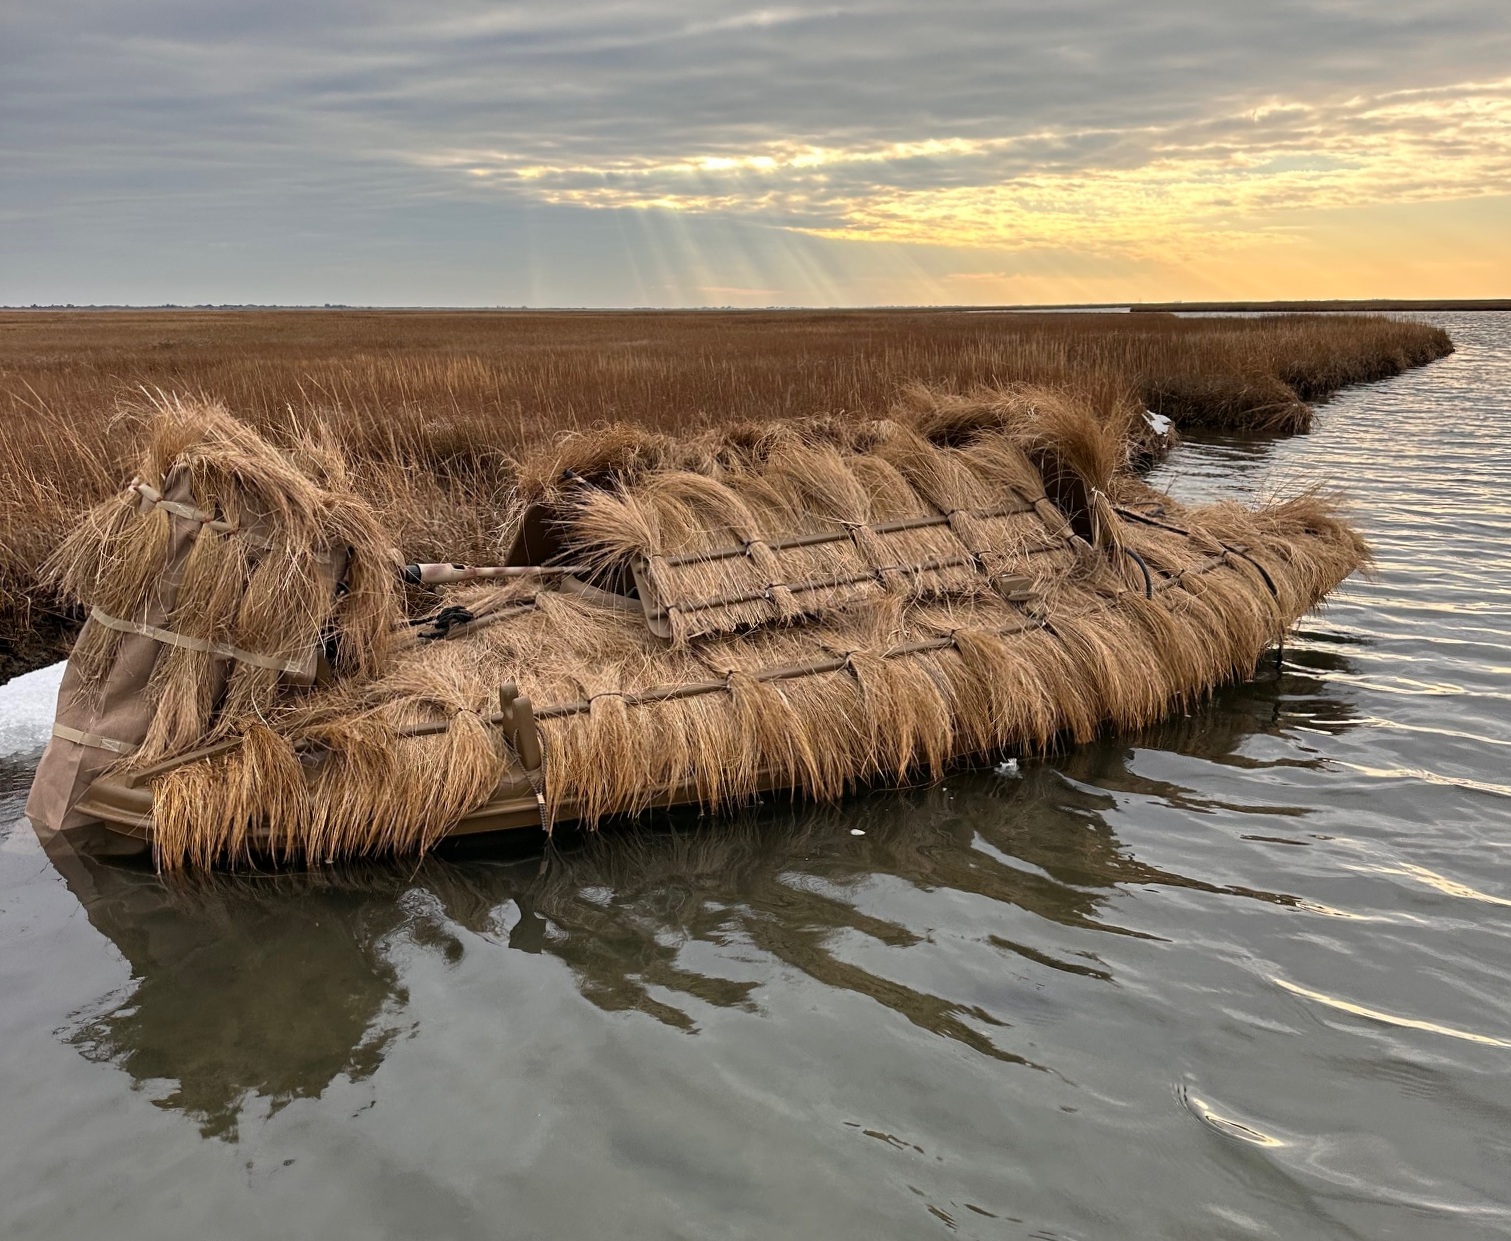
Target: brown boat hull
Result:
[[125, 811]]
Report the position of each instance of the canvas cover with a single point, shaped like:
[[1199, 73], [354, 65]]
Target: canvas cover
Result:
[[99, 724]]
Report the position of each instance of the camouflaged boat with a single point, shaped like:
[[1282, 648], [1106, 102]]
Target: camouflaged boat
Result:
[[800, 607]]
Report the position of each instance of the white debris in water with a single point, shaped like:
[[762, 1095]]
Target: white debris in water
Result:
[[27, 704], [855, 831], [1009, 767], [1158, 422]]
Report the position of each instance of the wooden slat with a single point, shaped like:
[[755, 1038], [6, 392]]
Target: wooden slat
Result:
[[660, 611], [838, 536]]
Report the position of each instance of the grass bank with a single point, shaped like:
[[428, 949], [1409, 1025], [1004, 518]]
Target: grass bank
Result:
[[436, 406], [1384, 305]]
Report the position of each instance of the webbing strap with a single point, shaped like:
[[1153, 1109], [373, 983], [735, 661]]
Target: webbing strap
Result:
[[155, 497], [168, 636], [93, 740], [188, 512]]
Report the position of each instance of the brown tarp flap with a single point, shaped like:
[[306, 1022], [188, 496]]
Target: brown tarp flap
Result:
[[118, 708]]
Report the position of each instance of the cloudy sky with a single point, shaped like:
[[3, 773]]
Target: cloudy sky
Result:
[[647, 152]]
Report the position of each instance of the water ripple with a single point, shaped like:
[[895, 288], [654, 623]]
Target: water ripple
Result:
[[1390, 1019]]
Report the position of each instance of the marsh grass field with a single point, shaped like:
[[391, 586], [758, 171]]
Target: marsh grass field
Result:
[[437, 408]]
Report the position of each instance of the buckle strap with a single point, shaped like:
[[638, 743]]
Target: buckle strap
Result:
[[93, 740], [171, 638]]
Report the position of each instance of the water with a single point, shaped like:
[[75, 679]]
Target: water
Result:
[[1245, 975]]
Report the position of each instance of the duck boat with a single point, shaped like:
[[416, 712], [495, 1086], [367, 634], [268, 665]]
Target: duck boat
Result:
[[798, 608]]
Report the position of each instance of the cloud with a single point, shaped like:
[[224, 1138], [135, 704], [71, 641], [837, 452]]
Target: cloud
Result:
[[1213, 181], [1093, 128]]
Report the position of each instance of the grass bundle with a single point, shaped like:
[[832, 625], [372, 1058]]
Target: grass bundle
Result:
[[247, 564]]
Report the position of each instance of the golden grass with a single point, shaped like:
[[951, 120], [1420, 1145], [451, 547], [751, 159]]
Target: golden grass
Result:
[[914, 668], [434, 409]]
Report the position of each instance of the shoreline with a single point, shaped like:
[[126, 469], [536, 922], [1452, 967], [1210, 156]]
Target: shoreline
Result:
[[1337, 306]]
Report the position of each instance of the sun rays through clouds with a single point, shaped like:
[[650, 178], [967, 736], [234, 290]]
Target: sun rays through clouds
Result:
[[1199, 186]]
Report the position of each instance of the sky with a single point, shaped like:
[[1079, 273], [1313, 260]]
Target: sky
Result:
[[651, 153]]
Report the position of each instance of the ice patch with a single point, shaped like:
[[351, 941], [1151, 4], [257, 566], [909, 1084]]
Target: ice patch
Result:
[[27, 704], [1158, 422]]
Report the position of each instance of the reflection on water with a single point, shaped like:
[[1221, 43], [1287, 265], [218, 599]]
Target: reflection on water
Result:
[[271, 986], [238, 989]]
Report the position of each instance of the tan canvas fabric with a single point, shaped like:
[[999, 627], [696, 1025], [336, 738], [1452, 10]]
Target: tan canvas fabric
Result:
[[118, 709]]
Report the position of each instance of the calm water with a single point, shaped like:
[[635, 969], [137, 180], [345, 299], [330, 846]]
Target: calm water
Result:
[[1246, 975]]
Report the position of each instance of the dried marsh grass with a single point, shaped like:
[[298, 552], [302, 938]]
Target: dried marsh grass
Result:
[[433, 410]]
